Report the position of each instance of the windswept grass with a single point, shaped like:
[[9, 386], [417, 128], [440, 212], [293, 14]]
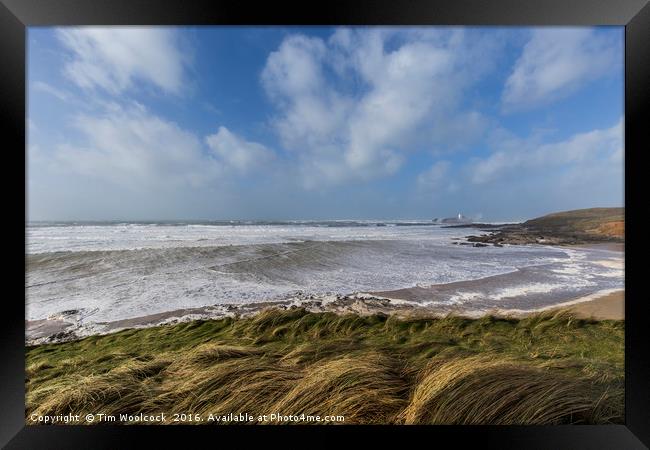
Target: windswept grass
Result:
[[544, 369]]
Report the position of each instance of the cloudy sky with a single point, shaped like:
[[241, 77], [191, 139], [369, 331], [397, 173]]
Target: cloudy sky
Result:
[[321, 122]]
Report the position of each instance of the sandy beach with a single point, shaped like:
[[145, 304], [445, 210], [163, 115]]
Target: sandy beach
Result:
[[607, 307], [610, 306], [611, 246]]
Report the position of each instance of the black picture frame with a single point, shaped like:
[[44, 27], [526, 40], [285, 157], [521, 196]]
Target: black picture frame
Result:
[[16, 15]]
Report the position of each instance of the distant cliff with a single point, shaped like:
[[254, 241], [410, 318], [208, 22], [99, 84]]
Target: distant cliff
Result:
[[595, 222], [581, 226]]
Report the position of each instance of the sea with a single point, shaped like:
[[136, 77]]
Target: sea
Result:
[[109, 271]]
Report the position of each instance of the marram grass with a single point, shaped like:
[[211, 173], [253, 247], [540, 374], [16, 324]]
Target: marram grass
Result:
[[550, 368]]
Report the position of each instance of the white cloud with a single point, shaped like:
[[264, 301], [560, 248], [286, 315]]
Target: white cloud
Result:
[[518, 157], [129, 146], [555, 62], [352, 107], [531, 175], [48, 89], [295, 68], [244, 156], [114, 58]]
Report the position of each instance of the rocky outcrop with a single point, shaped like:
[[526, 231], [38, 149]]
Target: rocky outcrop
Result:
[[584, 226]]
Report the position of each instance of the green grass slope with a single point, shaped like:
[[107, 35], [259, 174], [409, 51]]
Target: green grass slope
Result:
[[545, 369], [597, 221]]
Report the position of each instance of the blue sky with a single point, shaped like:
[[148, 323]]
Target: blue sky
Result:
[[322, 122]]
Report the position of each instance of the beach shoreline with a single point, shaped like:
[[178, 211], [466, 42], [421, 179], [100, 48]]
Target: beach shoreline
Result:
[[608, 305], [605, 305]]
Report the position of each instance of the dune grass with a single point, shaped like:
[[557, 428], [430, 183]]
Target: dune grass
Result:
[[546, 369]]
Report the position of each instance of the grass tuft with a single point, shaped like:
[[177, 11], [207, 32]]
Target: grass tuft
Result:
[[550, 368]]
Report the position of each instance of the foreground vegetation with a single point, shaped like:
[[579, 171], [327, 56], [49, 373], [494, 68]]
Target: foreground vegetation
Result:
[[545, 369]]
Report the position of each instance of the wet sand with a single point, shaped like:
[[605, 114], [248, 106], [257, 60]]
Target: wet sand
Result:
[[608, 307], [611, 246], [39, 329]]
